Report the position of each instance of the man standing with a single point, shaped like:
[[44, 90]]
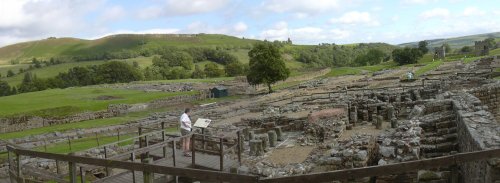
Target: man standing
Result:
[[185, 130]]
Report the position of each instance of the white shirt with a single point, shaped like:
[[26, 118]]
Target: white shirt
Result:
[[185, 122]]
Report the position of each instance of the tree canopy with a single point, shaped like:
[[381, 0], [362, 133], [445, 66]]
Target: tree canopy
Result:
[[406, 55], [422, 46], [266, 65]]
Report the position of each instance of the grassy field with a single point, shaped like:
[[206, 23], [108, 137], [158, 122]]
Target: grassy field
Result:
[[82, 144], [61, 102], [47, 48], [428, 67], [342, 71], [205, 80]]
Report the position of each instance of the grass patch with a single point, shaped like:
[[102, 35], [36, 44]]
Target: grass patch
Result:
[[206, 80], [78, 125], [222, 99], [60, 102], [426, 58], [342, 71], [495, 52], [428, 67], [82, 144], [285, 85], [379, 67]]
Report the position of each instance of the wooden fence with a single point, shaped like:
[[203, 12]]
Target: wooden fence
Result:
[[16, 173]]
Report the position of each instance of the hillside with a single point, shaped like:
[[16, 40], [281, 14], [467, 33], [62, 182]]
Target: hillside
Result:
[[456, 42], [51, 47]]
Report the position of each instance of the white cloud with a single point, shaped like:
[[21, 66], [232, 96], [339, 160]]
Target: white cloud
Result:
[[301, 8], [304, 35], [356, 18], [180, 8], [230, 29], [147, 31], [435, 13], [34, 19], [113, 14], [417, 1], [473, 11], [240, 27]]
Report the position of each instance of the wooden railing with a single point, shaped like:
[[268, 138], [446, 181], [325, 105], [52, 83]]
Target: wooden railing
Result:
[[16, 174]]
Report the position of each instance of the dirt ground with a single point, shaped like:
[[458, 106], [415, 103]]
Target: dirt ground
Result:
[[364, 129], [296, 154]]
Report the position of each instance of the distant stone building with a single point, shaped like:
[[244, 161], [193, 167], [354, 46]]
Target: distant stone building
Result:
[[439, 52], [481, 48]]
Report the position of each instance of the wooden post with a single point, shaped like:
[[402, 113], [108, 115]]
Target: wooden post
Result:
[[147, 144], [221, 153], [118, 134], [203, 138], [106, 157], [69, 142], [173, 152], [132, 158], [164, 139], [97, 139], [148, 176], [72, 171], [239, 146], [454, 174], [82, 175], [19, 169], [9, 158], [193, 156], [58, 167]]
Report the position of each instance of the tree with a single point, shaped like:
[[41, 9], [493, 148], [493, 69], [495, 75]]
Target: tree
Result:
[[135, 64], [235, 69], [466, 49], [406, 55], [117, 72], [422, 46], [10, 73], [491, 42], [213, 70], [266, 65], [5, 89], [198, 73], [447, 48]]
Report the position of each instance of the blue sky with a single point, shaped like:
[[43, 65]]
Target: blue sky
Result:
[[304, 21]]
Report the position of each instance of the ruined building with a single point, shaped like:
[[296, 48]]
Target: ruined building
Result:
[[439, 52], [481, 48]]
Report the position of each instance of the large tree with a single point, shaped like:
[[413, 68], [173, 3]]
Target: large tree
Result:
[[266, 65], [406, 55], [422, 46]]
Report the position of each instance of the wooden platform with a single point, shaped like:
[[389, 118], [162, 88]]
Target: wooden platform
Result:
[[203, 161]]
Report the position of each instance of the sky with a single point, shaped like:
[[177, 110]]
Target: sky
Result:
[[303, 21]]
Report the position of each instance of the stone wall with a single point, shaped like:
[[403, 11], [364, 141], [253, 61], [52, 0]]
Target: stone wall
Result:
[[20, 123], [489, 95], [477, 130]]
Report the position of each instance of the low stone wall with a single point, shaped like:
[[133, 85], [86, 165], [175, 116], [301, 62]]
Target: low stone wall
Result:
[[21, 123]]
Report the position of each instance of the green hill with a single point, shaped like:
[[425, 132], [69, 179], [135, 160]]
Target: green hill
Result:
[[456, 42], [71, 46]]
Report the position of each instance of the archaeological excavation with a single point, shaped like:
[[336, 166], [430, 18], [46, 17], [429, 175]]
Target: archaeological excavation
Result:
[[442, 127]]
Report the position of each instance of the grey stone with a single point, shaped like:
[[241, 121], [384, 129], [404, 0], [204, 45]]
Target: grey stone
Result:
[[387, 151], [361, 155]]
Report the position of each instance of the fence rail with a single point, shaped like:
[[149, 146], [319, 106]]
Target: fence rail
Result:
[[208, 175]]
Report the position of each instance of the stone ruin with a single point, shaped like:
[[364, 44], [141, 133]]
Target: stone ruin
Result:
[[439, 52], [481, 48], [414, 124]]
